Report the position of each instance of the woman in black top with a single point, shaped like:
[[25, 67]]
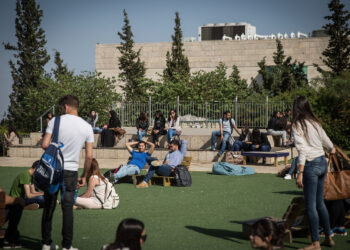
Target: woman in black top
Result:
[[159, 127], [108, 134], [142, 125]]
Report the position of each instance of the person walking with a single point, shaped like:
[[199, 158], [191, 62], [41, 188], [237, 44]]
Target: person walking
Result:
[[310, 140]]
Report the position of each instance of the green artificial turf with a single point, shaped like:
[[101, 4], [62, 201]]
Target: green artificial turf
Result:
[[197, 217]]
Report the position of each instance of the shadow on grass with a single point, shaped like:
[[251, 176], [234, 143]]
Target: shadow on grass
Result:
[[291, 192], [220, 233], [30, 243]]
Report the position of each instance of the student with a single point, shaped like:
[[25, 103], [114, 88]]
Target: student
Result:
[[274, 130], [74, 133], [310, 141], [142, 125], [244, 141], [173, 158], [12, 137], [14, 209], [110, 131], [260, 141], [92, 120], [173, 125], [23, 187], [158, 128], [138, 159], [266, 235], [96, 188], [227, 124], [131, 235]]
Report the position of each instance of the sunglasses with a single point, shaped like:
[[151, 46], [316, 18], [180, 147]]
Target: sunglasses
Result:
[[144, 237]]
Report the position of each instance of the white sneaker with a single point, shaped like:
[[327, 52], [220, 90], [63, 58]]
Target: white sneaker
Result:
[[288, 177], [50, 247], [71, 248]]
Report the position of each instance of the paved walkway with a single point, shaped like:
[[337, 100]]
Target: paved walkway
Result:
[[113, 163]]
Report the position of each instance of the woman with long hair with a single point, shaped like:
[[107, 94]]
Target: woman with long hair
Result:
[[266, 235], [173, 125], [131, 234], [111, 130], [12, 137], [142, 125], [310, 141], [92, 120], [158, 127], [96, 188]]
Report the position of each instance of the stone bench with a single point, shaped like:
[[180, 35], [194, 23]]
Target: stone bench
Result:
[[275, 155]]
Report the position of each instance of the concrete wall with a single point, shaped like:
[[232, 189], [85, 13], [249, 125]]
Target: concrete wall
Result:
[[206, 55]]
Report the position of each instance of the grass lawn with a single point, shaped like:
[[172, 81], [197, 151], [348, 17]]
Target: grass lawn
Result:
[[197, 217]]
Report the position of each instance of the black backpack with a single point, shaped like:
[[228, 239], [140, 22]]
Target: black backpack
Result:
[[182, 176]]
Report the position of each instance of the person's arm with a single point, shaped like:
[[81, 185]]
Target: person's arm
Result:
[[300, 144], [221, 131], [87, 163], [92, 183], [29, 193], [235, 127], [48, 134], [33, 191], [130, 144], [96, 119], [150, 151], [177, 124], [183, 148], [6, 138]]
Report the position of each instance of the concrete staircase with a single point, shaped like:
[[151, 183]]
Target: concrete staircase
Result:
[[199, 141]]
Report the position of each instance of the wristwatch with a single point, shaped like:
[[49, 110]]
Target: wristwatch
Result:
[[300, 172]]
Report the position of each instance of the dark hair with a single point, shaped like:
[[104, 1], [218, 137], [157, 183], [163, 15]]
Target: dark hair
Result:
[[50, 113], [140, 143], [94, 170], [35, 164], [175, 118], [11, 128], [143, 116], [128, 235], [287, 110], [176, 142], [158, 112], [256, 136], [70, 100], [264, 228], [113, 120], [245, 128], [301, 112], [274, 114], [227, 112]]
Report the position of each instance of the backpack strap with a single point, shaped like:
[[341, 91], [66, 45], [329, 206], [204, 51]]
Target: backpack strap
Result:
[[56, 127]]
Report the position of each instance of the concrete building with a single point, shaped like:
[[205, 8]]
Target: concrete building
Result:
[[206, 55]]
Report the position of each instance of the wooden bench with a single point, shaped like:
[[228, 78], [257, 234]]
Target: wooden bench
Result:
[[165, 181], [275, 155], [2, 214]]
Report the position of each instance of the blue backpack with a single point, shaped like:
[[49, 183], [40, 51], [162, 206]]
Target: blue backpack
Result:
[[48, 175]]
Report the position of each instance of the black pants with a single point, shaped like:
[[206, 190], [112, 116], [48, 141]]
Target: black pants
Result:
[[67, 195], [155, 137], [336, 212], [13, 216]]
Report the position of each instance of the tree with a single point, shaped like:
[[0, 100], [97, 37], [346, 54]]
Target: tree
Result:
[[31, 57], [132, 69], [61, 69], [337, 54], [176, 62]]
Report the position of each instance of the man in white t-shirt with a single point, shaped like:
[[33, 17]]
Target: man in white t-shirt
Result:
[[227, 124], [74, 132]]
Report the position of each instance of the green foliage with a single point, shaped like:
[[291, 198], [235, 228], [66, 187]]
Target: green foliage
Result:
[[284, 76], [31, 57], [93, 91], [337, 54], [132, 69], [177, 65], [61, 69]]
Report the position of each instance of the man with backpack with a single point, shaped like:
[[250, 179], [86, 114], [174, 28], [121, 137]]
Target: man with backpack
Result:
[[73, 133], [227, 124], [172, 159]]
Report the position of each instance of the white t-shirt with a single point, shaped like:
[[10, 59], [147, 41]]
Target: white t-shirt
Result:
[[73, 133]]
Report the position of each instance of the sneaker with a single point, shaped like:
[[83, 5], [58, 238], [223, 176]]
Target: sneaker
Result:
[[321, 232], [287, 177], [340, 231], [50, 247], [8, 245], [212, 149], [142, 185], [33, 206], [71, 248]]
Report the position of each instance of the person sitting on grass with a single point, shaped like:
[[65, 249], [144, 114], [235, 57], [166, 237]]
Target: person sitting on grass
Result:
[[96, 188], [14, 209], [23, 187], [244, 140], [131, 235], [266, 235], [138, 159], [173, 158]]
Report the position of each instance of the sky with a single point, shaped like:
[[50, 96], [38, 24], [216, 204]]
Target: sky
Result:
[[73, 27]]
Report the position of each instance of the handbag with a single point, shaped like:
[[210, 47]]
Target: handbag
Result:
[[234, 157], [337, 182], [231, 141]]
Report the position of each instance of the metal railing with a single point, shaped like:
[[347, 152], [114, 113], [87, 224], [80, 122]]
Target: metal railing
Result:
[[43, 114]]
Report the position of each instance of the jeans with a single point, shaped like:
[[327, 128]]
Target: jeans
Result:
[[170, 134], [155, 136], [238, 145], [163, 170], [126, 170], [141, 134], [217, 133], [67, 195], [315, 172], [38, 200], [13, 215], [293, 166], [263, 148], [282, 133], [97, 130]]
